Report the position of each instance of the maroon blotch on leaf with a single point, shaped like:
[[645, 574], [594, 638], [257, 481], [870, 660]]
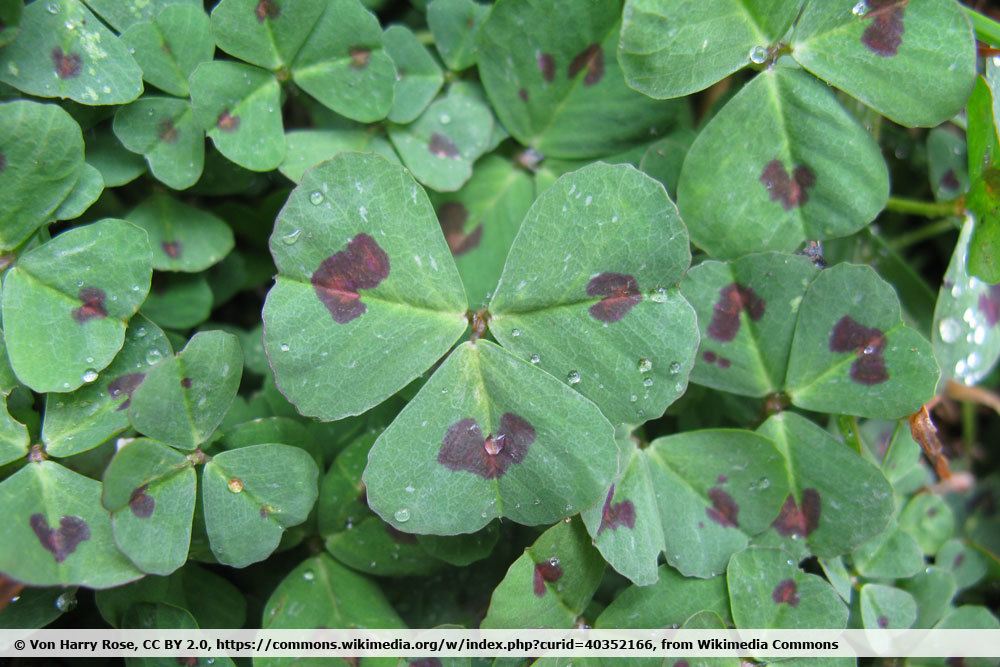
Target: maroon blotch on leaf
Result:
[[125, 384], [733, 300], [93, 305], [621, 294], [883, 622], [786, 593], [885, 32], [443, 147], [61, 541], [949, 180], [713, 358], [267, 9], [591, 58], [465, 448], [67, 65], [360, 56], [867, 343], [167, 131], [791, 190], [795, 520], [186, 383], [227, 122], [337, 281], [172, 249], [523, 94], [616, 514], [547, 66], [724, 510], [452, 216], [989, 305], [141, 503], [548, 571]]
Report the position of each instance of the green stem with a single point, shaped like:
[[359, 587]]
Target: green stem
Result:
[[987, 30], [922, 233], [928, 209], [848, 426]]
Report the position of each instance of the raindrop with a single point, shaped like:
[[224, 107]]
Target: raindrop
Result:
[[648, 382], [402, 515], [316, 198], [89, 375], [515, 333], [66, 602], [235, 484], [444, 118], [409, 489], [675, 367], [291, 237], [573, 377], [308, 575], [860, 9], [950, 330], [535, 358], [758, 55], [53, 7], [659, 296], [140, 332], [645, 365], [285, 347], [633, 398], [153, 357], [554, 562]]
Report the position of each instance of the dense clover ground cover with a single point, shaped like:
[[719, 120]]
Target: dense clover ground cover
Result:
[[384, 314]]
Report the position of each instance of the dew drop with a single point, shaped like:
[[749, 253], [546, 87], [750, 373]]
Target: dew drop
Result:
[[573, 377], [89, 375], [554, 562], [648, 382], [675, 367], [66, 601], [235, 484], [140, 332], [949, 329], [860, 9], [52, 7], [633, 398], [659, 296], [535, 359], [758, 55], [316, 198], [285, 347], [308, 575], [402, 515], [515, 333], [153, 357], [645, 365], [291, 237], [444, 118]]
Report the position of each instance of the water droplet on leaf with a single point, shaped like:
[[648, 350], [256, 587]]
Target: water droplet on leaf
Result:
[[573, 377], [402, 515], [89, 375], [950, 330], [645, 365], [316, 198], [758, 55]]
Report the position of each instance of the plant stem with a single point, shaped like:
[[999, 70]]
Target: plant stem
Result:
[[928, 209], [922, 233], [848, 426], [987, 30]]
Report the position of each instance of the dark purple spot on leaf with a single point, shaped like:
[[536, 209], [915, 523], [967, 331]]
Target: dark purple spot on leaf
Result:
[[267, 9], [733, 300], [681, 663], [868, 345], [167, 131], [548, 571], [141, 503], [721, 479], [67, 65], [399, 536], [724, 510], [958, 560], [989, 305], [949, 181], [786, 593], [713, 358], [465, 448], [337, 281], [616, 514], [795, 520], [62, 541], [724, 362], [523, 94], [93, 305], [186, 383], [452, 216], [125, 384], [441, 146], [885, 32], [621, 294], [883, 622], [360, 56], [591, 59], [172, 249], [264, 513], [791, 190], [227, 122], [547, 66]]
